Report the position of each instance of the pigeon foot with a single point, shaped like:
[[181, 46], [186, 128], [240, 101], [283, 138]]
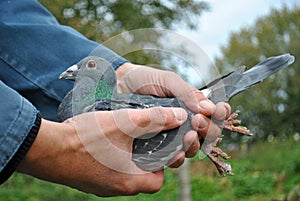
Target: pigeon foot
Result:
[[212, 150]]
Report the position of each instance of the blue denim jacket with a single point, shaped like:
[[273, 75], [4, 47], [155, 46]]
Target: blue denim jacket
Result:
[[34, 50]]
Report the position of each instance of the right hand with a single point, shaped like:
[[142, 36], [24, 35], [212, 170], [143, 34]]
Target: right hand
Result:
[[146, 80]]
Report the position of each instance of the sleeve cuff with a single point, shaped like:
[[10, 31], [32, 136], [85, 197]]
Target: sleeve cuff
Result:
[[12, 165]]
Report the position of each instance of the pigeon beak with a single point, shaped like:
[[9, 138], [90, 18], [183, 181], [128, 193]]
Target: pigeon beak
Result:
[[70, 73]]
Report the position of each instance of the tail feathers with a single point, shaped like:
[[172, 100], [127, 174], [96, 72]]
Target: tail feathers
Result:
[[269, 66], [227, 86]]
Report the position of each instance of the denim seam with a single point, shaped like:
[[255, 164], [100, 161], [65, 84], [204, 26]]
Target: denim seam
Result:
[[24, 132]]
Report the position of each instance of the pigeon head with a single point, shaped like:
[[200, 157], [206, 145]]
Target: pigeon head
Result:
[[94, 79], [91, 66]]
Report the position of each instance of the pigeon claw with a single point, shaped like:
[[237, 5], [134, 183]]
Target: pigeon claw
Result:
[[232, 124], [212, 150], [213, 153]]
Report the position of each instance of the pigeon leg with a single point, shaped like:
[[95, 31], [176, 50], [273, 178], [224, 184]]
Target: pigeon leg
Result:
[[213, 152]]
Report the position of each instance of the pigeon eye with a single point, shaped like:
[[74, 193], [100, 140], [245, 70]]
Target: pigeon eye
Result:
[[91, 64]]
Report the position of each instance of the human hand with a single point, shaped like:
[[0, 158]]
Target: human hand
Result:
[[92, 151], [144, 80]]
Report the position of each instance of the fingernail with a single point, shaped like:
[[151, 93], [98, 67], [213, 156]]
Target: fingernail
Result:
[[180, 114], [206, 105]]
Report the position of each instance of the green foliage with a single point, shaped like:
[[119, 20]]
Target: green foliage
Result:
[[208, 188], [22, 187], [269, 166], [270, 171], [101, 19], [271, 108], [251, 184]]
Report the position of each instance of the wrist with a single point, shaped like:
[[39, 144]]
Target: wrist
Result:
[[22, 151], [43, 160]]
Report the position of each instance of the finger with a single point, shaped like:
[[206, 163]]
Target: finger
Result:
[[228, 110], [207, 108], [163, 84], [191, 144], [205, 127], [151, 182], [170, 84], [136, 123], [177, 160], [190, 96], [142, 183], [220, 112]]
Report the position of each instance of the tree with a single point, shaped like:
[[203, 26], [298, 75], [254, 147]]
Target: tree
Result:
[[272, 108], [101, 19]]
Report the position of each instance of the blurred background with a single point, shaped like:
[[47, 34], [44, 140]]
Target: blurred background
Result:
[[230, 34]]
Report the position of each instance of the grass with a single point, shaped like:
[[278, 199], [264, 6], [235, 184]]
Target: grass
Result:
[[270, 171]]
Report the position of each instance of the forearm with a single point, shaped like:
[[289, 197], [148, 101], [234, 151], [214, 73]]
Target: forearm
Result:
[[19, 126]]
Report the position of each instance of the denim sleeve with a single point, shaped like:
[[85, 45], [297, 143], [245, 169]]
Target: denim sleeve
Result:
[[17, 118], [35, 49]]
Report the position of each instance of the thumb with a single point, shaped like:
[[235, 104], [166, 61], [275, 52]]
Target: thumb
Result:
[[136, 123]]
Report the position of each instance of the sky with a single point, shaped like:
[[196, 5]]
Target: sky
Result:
[[227, 16]]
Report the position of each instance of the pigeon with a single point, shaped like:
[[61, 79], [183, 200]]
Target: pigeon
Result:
[[95, 90]]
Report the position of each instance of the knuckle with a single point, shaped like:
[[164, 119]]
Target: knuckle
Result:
[[140, 119], [131, 187], [200, 123], [155, 188], [213, 132], [160, 116], [220, 113], [171, 75], [127, 188]]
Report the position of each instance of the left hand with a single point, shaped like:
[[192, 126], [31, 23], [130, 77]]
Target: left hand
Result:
[[145, 80], [92, 151]]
